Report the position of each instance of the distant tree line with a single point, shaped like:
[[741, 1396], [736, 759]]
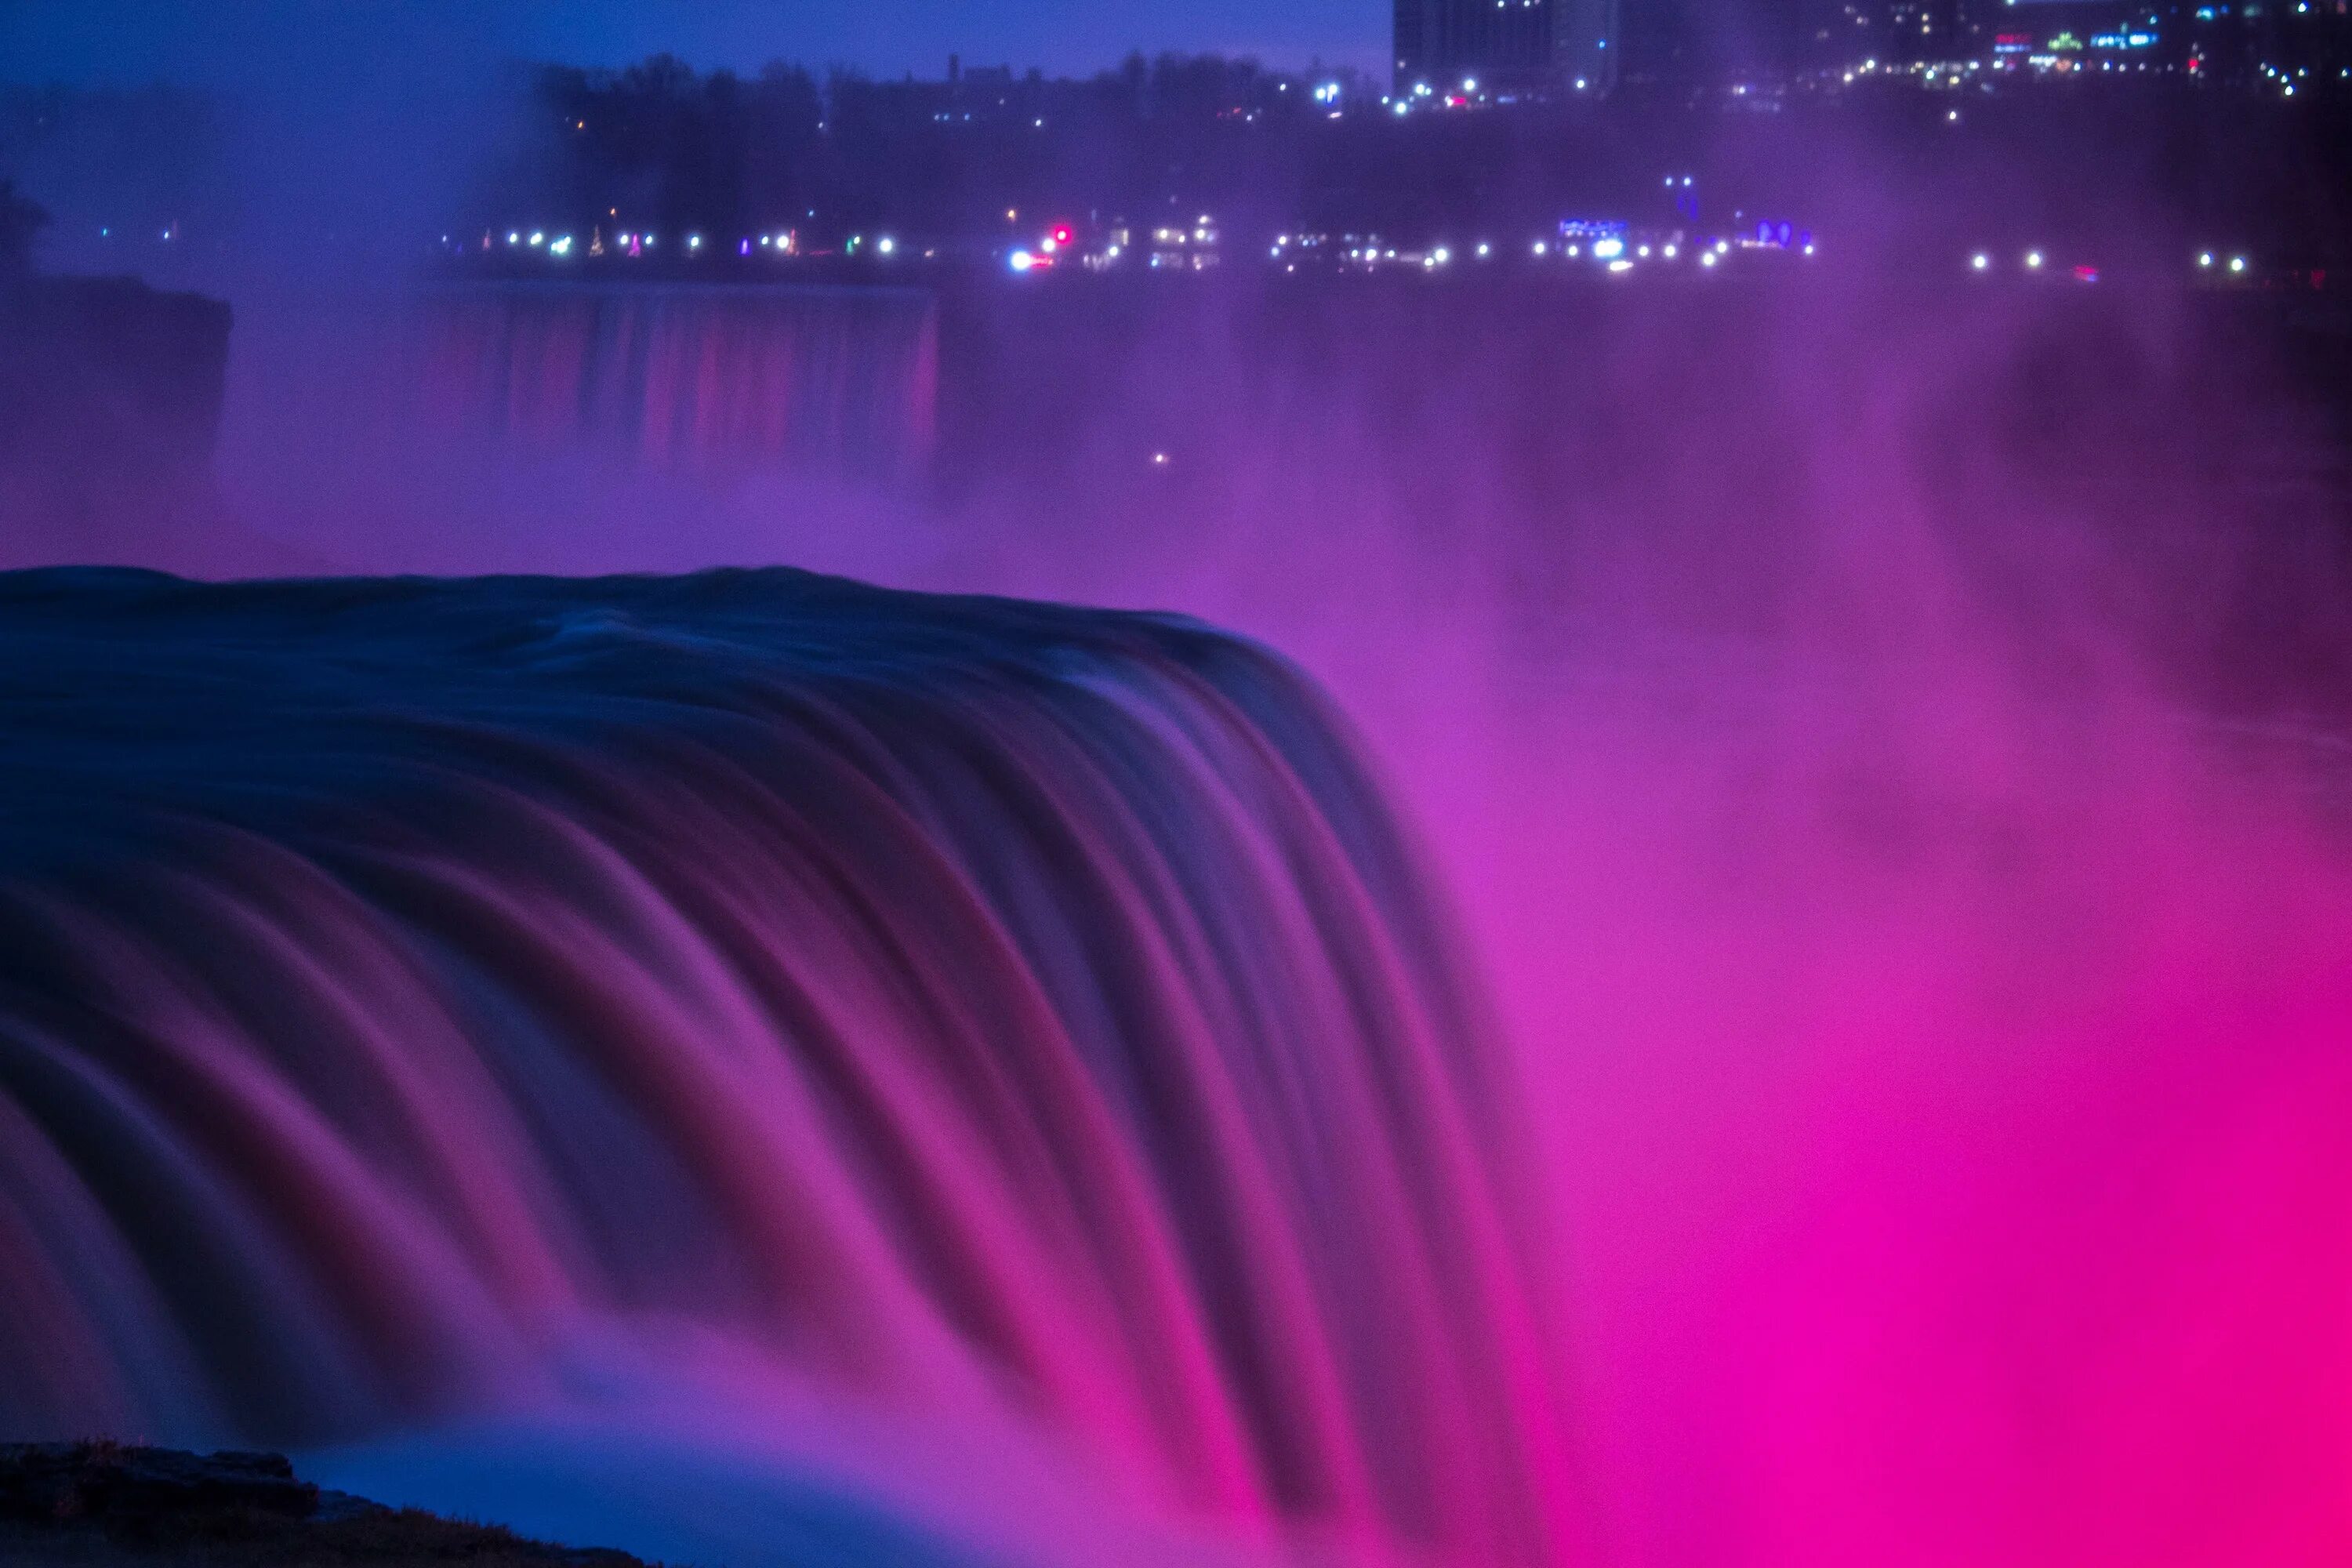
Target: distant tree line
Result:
[[659, 144], [662, 146]]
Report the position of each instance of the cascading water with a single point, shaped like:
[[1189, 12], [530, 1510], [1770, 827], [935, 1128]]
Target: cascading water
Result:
[[694, 375], [991, 1016]]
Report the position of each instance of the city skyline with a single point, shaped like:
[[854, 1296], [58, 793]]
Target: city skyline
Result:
[[319, 59]]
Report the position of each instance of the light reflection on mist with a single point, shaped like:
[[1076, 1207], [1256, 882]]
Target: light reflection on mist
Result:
[[1886, 749], [1887, 768]]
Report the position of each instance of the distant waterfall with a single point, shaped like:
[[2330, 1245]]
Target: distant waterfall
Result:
[[957, 1004], [833, 380]]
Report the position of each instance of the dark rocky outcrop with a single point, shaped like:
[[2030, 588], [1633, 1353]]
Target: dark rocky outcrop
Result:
[[110, 400], [100, 1505], [60, 1482], [110, 371]]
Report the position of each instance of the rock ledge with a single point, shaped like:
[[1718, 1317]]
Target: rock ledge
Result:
[[102, 1505]]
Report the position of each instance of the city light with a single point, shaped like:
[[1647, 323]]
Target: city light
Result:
[[2205, 259], [2237, 264], [1611, 243], [2033, 258]]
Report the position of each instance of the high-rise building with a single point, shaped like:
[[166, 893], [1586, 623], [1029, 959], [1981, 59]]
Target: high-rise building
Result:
[[1505, 45]]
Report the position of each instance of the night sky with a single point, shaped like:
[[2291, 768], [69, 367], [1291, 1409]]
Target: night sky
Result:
[[237, 42]]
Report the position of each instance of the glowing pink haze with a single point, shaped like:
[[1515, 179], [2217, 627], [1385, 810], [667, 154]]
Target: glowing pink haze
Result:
[[1926, 961]]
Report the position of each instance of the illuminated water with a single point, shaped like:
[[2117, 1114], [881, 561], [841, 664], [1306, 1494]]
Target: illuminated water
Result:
[[974, 1072], [686, 377], [1890, 759]]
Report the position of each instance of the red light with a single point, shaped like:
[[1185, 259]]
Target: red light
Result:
[[1061, 234]]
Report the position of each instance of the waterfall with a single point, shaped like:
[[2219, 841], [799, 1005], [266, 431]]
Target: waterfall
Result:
[[834, 380], [956, 1005]]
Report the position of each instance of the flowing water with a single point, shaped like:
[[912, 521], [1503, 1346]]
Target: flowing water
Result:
[[687, 377], [759, 1072], [990, 1028]]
